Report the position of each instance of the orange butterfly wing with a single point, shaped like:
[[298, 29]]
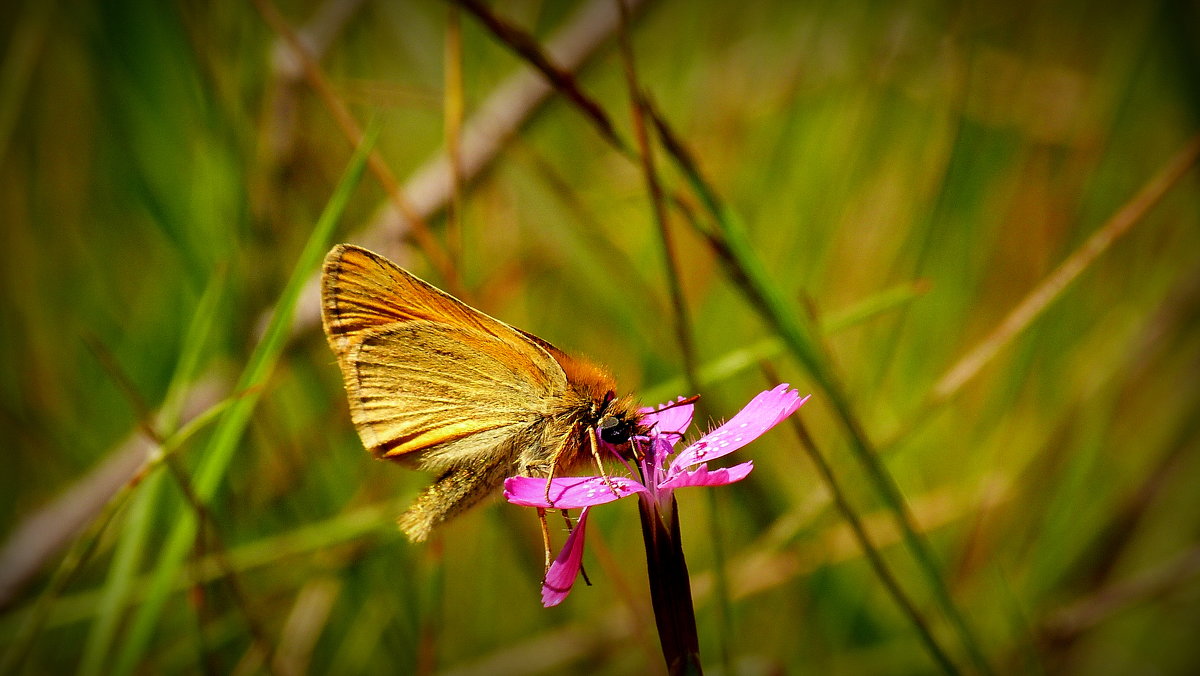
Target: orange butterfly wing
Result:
[[425, 373]]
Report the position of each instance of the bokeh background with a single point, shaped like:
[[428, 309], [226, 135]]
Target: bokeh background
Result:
[[907, 175]]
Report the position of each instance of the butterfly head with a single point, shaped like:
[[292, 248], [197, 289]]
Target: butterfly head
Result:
[[615, 430], [619, 420]]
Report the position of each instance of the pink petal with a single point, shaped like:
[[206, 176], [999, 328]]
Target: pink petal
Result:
[[570, 492], [702, 476], [761, 414], [561, 576], [672, 422]]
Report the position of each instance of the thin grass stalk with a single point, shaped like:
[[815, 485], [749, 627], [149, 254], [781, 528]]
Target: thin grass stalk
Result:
[[233, 424], [305, 623], [499, 117], [745, 358], [241, 601], [561, 79], [454, 105], [1180, 569], [83, 546], [201, 610], [142, 411], [637, 105], [286, 85], [680, 321], [129, 550], [1051, 288], [639, 294], [359, 524], [420, 230], [1107, 548], [79, 552], [941, 167], [524, 45], [1061, 630], [143, 414], [361, 637], [798, 334], [640, 612], [430, 607], [878, 565], [26, 37]]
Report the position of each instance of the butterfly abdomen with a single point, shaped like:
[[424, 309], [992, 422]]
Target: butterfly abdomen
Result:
[[455, 491]]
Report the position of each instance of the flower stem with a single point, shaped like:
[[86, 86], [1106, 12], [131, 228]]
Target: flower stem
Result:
[[670, 587]]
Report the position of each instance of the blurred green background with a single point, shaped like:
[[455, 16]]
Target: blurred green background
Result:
[[907, 172]]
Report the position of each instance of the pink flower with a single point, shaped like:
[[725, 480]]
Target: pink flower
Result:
[[661, 473]]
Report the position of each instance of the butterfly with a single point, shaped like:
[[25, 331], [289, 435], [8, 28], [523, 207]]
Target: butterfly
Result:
[[440, 386]]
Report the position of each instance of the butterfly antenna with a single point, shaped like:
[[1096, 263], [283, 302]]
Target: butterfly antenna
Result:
[[670, 405]]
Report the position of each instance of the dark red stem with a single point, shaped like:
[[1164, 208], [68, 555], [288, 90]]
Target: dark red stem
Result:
[[670, 587]]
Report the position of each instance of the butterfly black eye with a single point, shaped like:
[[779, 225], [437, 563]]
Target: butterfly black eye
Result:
[[614, 430]]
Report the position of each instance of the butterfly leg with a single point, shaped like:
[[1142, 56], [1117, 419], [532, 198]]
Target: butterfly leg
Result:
[[561, 449], [550, 477], [541, 512], [553, 464], [546, 540], [570, 528]]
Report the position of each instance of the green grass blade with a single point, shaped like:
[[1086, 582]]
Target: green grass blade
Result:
[[233, 424], [28, 631], [749, 357], [799, 336], [129, 550], [304, 540], [115, 594], [30, 625]]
